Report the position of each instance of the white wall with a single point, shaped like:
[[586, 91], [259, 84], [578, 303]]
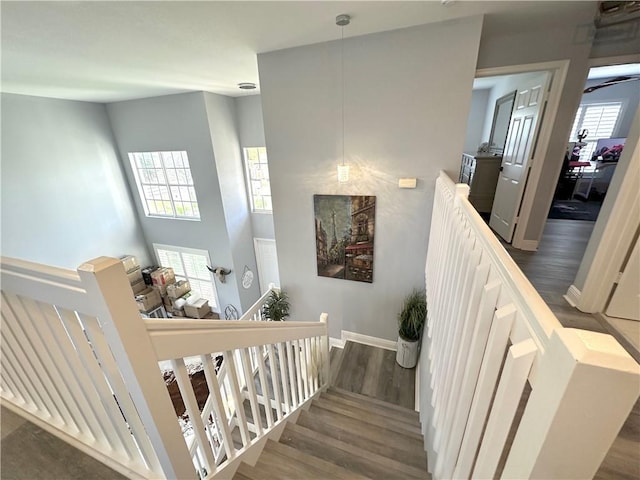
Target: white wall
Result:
[[476, 120], [251, 132], [221, 113], [179, 122], [64, 196], [405, 116]]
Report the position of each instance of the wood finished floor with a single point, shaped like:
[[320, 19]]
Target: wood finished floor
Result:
[[551, 270], [373, 372], [28, 452]]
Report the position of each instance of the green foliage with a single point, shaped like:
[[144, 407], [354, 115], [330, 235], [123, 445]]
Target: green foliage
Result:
[[276, 307], [412, 316]]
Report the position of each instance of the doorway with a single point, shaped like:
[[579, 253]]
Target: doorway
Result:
[[598, 136]]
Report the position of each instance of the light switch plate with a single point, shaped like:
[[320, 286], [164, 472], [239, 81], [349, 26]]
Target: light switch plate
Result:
[[407, 183]]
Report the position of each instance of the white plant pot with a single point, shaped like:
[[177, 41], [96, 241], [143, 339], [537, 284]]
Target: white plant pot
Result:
[[407, 354]]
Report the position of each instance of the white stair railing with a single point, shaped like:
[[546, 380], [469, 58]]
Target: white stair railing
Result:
[[489, 337], [79, 361]]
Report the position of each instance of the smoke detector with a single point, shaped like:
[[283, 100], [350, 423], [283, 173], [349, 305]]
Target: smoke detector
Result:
[[247, 86]]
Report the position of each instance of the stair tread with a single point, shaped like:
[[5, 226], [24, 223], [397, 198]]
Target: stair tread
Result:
[[384, 411], [240, 476], [370, 417], [347, 456], [371, 400], [380, 446], [311, 462], [376, 433]]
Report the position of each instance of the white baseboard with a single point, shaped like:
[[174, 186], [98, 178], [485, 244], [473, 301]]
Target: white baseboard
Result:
[[417, 388], [529, 245], [336, 342], [368, 340], [573, 296]]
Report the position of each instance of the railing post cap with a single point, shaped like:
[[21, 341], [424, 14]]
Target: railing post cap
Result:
[[97, 264]]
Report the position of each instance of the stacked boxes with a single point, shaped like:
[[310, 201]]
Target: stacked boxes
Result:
[[149, 299], [161, 278], [198, 309], [134, 274]]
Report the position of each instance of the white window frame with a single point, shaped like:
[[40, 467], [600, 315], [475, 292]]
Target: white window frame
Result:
[[168, 193], [192, 251], [250, 181], [587, 150]]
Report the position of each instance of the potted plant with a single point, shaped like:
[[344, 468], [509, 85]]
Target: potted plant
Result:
[[276, 308], [410, 323]]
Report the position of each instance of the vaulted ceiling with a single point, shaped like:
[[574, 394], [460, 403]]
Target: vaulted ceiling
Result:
[[118, 50]]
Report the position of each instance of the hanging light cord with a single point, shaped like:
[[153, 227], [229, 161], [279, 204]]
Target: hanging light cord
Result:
[[343, 83]]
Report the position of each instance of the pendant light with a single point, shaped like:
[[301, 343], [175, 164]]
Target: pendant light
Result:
[[341, 21]]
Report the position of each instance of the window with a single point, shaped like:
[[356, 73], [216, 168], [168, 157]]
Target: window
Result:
[[190, 264], [600, 119], [255, 159], [165, 184]]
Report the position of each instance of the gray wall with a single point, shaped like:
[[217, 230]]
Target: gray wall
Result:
[[221, 113], [251, 131], [405, 116], [179, 122], [476, 120], [538, 40], [64, 196]]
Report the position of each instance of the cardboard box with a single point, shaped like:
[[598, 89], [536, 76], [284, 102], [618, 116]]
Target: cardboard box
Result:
[[198, 310], [171, 302], [212, 316], [130, 263], [135, 276], [148, 299], [163, 276], [138, 287], [178, 289], [146, 274]]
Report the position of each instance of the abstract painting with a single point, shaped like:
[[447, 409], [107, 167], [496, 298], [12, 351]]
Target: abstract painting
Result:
[[345, 226]]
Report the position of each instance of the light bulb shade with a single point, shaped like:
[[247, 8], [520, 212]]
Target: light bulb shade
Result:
[[343, 173]]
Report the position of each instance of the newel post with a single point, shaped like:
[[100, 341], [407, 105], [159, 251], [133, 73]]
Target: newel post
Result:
[[586, 386], [107, 286], [324, 318]]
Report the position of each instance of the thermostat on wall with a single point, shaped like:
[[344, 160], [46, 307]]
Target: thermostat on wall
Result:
[[407, 183]]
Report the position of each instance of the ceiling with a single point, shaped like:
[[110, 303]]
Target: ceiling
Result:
[[109, 51]]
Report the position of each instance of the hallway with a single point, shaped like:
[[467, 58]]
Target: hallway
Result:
[[551, 270]]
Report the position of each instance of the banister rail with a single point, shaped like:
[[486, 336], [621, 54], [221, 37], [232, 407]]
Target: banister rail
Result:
[[78, 360], [488, 338]]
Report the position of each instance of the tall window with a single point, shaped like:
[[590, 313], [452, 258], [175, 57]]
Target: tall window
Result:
[[600, 119], [255, 159], [165, 184], [190, 264]]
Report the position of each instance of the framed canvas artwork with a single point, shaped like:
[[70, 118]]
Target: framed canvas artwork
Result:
[[345, 226]]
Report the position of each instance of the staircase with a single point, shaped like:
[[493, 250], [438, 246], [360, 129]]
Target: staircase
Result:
[[348, 436]]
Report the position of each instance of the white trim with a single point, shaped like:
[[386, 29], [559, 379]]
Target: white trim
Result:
[[368, 340], [336, 342], [572, 296], [529, 245], [416, 406]]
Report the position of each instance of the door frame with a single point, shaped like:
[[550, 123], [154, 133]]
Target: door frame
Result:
[[558, 70]]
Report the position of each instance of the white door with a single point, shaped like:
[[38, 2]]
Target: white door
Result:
[[267, 260], [518, 150], [625, 302]]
